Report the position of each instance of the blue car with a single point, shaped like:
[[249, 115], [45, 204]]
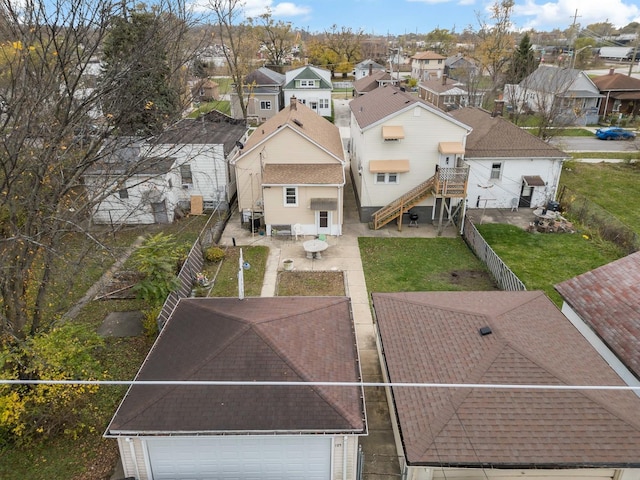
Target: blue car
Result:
[[614, 133]]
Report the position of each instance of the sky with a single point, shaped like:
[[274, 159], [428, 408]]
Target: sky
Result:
[[397, 17]]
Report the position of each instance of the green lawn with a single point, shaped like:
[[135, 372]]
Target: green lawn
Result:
[[418, 264], [226, 273], [613, 186], [223, 106], [543, 260]]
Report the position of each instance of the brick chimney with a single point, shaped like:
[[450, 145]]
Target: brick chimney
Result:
[[293, 103], [612, 71], [444, 79], [370, 68], [498, 108]]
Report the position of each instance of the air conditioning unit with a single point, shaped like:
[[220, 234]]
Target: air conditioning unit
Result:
[[186, 186]]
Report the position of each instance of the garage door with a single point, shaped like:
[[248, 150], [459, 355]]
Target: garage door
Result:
[[241, 458]]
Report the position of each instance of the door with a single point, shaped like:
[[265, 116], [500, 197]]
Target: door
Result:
[[240, 457], [526, 194], [323, 222], [160, 212]]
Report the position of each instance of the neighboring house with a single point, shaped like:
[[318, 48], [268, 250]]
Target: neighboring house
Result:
[[508, 167], [377, 79], [311, 86], [246, 431], [605, 303], [186, 168], [448, 94], [512, 342], [405, 154], [367, 67], [204, 90], [291, 172], [263, 95], [622, 94], [460, 68], [427, 65], [567, 95]]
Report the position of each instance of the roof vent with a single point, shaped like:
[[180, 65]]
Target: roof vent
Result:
[[485, 331], [297, 122]]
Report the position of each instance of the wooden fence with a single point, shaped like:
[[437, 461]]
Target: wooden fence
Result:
[[504, 277]]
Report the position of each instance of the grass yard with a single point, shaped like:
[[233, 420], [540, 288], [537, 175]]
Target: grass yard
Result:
[[310, 284], [613, 186], [419, 264], [226, 279], [543, 260]]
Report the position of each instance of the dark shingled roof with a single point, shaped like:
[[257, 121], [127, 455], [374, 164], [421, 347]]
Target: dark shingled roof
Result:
[[495, 137], [204, 131], [617, 82], [277, 339], [434, 337], [303, 174], [608, 300]]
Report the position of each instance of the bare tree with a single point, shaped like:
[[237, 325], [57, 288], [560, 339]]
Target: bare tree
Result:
[[496, 40], [276, 38], [240, 44], [53, 134], [345, 43]]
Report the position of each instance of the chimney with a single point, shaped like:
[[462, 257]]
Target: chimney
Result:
[[498, 108], [370, 68], [293, 103], [444, 79], [611, 71]]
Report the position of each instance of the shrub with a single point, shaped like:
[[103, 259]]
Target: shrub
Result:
[[214, 254], [150, 321], [156, 259]]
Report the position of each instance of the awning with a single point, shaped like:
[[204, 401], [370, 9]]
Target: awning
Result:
[[389, 166], [533, 181], [451, 148], [392, 132], [324, 204]]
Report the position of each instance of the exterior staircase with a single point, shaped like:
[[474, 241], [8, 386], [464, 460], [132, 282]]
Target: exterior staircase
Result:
[[401, 205]]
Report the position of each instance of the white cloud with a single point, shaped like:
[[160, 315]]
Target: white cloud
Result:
[[429, 2], [560, 14], [255, 8]]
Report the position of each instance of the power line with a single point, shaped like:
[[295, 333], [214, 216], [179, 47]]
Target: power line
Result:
[[260, 383]]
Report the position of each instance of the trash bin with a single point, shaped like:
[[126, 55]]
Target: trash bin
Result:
[[553, 206], [257, 222]]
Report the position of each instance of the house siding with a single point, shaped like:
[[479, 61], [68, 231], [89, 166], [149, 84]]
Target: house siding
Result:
[[423, 473], [423, 132], [134, 463]]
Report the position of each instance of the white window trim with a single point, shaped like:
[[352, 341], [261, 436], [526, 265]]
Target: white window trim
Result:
[[386, 178], [499, 171], [265, 104], [284, 196]]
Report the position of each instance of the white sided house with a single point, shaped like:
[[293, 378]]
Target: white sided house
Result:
[[311, 86], [291, 173], [508, 167], [405, 155], [185, 169]]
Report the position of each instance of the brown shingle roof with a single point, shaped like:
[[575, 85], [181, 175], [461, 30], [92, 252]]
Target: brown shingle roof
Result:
[[303, 174], [428, 55], [304, 121], [439, 87], [616, 81], [370, 82], [433, 337], [608, 300], [256, 339], [495, 137]]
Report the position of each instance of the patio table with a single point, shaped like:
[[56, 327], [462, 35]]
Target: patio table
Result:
[[315, 247]]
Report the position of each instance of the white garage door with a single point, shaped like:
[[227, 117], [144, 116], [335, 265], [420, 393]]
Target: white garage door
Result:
[[240, 458]]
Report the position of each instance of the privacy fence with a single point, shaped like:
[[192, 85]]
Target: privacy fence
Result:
[[192, 265], [598, 220], [504, 277]]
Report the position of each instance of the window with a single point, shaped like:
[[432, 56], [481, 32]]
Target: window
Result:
[[495, 171], [307, 83], [123, 194], [185, 174], [324, 103], [388, 178], [290, 196], [265, 105], [323, 219]]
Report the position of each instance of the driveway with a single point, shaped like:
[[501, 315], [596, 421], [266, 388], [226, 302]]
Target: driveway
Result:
[[592, 144]]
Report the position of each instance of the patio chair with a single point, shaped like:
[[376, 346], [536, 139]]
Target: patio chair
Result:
[[514, 204]]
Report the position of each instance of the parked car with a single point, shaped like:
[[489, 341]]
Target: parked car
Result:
[[614, 133]]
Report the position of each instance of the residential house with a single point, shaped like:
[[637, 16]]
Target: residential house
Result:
[[568, 96], [621, 94], [405, 154], [478, 362], [508, 167], [184, 169], [604, 304], [238, 427], [291, 173], [204, 90], [367, 67], [263, 95], [460, 68], [311, 86], [377, 79], [448, 94], [427, 65]]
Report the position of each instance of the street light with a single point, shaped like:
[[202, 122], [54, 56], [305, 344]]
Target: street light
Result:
[[575, 55]]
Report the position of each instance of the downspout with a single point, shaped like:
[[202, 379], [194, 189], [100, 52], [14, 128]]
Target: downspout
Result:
[[132, 448], [344, 458]]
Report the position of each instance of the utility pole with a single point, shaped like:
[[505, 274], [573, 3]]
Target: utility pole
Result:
[[633, 55]]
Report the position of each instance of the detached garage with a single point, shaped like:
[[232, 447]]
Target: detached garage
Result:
[[243, 431]]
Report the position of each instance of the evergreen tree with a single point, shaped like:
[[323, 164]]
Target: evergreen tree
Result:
[[143, 98], [523, 61]]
